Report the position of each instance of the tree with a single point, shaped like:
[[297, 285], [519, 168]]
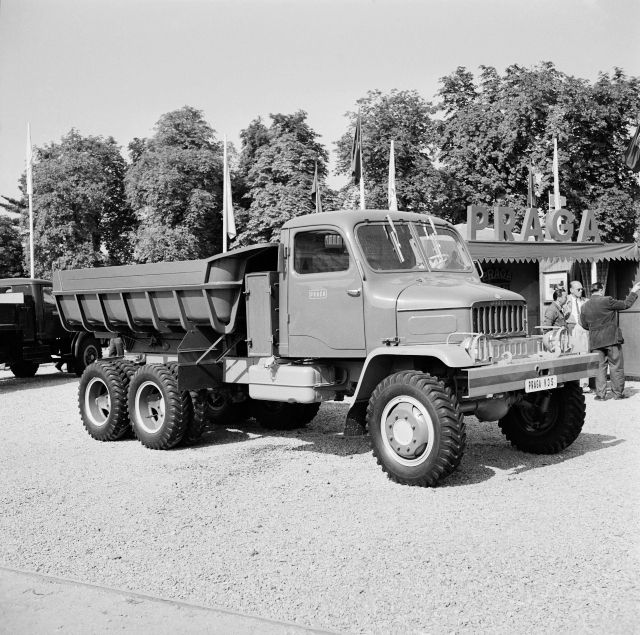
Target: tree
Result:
[[494, 127], [404, 117], [78, 201], [174, 185], [10, 248], [278, 164]]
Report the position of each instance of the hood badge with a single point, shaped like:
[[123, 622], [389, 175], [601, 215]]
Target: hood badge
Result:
[[497, 296]]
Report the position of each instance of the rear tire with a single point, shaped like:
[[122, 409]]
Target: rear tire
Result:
[[280, 415], [89, 351], [416, 427], [159, 412], [24, 369], [552, 432], [102, 399]]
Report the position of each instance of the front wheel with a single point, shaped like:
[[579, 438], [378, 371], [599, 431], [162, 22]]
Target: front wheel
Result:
[[546, 422], [24, 369], [416, 428]]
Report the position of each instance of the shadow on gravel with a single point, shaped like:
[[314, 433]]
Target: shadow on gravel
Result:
[[481, 462], [14, 384], [322, 435]]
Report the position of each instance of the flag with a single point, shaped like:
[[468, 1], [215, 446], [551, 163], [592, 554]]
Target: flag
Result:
[[29, 162], [632, 153], [315, 191], [356, 153], [531, 196], [556, 177], [228, 220], [391, 195]]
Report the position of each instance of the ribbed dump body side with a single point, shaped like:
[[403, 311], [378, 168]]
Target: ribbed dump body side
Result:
[[159, 297], [500, 319]]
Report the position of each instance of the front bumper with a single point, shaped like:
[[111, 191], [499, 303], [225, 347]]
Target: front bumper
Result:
[[507, 376]]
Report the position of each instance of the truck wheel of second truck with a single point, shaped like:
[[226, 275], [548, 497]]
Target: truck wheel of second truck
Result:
[[416, 428], [159, 412], [88, 352], [24, 369]]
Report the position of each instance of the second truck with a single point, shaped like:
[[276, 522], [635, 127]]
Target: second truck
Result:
[[386, 308]]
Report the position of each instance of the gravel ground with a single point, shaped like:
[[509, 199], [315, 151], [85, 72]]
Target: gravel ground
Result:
[[304, 527]]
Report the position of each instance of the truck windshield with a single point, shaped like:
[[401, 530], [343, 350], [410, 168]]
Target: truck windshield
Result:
[[443, 248], [423, 245], [377, 242]]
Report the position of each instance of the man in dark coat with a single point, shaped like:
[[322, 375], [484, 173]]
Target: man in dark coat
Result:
[[600, 317]]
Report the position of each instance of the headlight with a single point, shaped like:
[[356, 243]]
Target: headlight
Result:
[[477, 347], [557, 340]]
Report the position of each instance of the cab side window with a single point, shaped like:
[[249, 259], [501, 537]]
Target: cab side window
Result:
[[47, 297], [319, 251]]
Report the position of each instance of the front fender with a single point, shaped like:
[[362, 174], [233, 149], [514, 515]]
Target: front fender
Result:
[[384, 360]]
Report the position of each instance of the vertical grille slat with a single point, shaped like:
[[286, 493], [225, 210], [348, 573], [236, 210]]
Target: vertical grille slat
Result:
[[499, 319]]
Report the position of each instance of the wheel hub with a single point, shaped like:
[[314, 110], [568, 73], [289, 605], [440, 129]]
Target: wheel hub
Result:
[[407, 428], [150, 407], [97, 402]]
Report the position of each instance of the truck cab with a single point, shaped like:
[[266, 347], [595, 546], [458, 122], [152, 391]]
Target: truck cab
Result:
[[31, 332]]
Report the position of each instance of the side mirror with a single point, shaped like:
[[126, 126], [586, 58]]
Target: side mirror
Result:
[[479, 268], [282, 257]]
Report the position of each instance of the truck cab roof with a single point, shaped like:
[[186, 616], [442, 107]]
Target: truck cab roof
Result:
[[7, 282], [351, 217]]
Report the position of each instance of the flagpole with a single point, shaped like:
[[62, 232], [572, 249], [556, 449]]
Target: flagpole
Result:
[[30, 196], [556, 177], [362, 206], [224, 199]]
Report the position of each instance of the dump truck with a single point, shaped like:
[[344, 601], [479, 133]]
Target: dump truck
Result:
[[382, 307], [31, 333]]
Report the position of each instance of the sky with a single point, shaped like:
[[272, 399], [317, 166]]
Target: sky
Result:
[[112, 68]]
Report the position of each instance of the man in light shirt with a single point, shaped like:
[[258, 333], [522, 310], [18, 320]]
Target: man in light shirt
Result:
[[579, 337]]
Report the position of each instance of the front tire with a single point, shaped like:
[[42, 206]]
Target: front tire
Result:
[[24, 369], [552, 431], [102, 399], [416, 428], [159, 412]]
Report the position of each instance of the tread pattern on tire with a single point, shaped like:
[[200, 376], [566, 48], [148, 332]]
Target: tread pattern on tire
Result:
[[571, 415], [117, 384], [452, 425], [177, 406]]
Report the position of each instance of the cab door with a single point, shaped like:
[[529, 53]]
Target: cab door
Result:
[[325, 304]]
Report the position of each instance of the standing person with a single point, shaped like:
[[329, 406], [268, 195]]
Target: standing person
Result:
[[116, 347], [599, 316], [554, 314], [578, 337]]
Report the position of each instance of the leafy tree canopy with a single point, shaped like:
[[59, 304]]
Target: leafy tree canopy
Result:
[[278, 163], [404, 117], [10, 248], [174, 185], [495, 125], [78, 201]]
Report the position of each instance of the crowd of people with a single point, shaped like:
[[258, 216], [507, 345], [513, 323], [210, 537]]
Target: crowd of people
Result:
[[592, 325]]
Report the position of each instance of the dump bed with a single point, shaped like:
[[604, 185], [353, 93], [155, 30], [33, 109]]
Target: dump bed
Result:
[[161, 297]]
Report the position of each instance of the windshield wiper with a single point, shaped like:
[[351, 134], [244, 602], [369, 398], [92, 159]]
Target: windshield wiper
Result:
[[395, 241]]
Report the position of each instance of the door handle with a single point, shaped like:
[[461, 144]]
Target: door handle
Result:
[[353, 292]]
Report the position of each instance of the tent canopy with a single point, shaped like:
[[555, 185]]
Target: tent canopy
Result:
[[518, 251]]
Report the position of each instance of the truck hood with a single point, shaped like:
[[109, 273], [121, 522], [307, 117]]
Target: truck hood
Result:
[[450, 292]]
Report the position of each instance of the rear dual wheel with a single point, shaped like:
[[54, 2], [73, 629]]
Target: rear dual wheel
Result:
[[102, 399], [159, 411]]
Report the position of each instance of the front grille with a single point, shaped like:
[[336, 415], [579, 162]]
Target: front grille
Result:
[[500, 319]]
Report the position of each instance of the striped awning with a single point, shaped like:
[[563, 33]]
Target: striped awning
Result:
[[491, 251]]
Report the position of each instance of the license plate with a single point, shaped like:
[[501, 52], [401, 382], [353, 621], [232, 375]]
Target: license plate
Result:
[[548, 382]]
